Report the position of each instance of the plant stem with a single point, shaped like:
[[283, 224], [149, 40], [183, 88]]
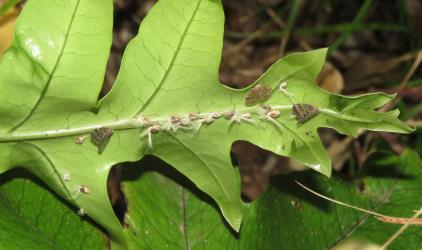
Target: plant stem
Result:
[[362, 13], [290, 22], [138, 122], [401, 230], [335, 28], [36, 135]]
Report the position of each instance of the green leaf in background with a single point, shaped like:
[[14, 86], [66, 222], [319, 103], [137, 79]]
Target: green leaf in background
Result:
[[390, 186], [166, 211], [7, 6], [31, 217], [167, 101], [169, 214]]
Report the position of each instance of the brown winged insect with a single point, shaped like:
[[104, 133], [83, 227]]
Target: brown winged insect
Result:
[[304, 112], [258, 94], [100, 137]]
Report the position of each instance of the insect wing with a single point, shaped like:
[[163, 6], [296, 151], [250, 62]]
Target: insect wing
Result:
[[258, 94], [304, 112], [100, 137]]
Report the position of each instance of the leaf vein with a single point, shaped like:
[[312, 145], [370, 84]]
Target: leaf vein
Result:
[[172, 62], [50, 78]]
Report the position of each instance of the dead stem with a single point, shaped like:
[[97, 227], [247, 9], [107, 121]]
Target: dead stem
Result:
[[401, 230], [381, 217]]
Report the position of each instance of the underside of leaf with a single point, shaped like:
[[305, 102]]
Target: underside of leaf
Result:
[[167, 101]]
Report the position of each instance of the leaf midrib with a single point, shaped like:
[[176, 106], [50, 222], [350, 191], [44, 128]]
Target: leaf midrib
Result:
[[346, 117], [50, 77], [123, 124], [128, 124], [51, 163]]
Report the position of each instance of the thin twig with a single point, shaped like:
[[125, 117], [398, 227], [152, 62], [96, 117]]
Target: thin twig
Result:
[[404, 82], [414, 123], [381, 217], [255, 35], [411, 72], [401, 230], [360, 16], [277, 20], [327, 29], [290, 22]]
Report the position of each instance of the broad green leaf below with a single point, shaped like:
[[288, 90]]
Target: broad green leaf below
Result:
[[167, 101], [31, 217], [390, 185], [167, 212]]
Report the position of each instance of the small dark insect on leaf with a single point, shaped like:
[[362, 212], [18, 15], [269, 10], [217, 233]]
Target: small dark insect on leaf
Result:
[[100, 137], [258, 94], [304, 112]]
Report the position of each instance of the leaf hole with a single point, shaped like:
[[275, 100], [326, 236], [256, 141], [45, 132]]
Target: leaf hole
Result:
[[257, 166], [127, 17], [246, 52], [115, 193]]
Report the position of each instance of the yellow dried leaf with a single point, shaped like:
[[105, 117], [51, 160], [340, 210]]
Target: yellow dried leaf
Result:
[[7, 25]]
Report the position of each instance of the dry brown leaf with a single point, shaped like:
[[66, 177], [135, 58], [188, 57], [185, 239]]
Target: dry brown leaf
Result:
[[331, 79], [339, 152], [7, 25]]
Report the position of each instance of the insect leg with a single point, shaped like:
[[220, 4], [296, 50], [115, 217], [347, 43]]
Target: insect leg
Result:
[[283, 90]]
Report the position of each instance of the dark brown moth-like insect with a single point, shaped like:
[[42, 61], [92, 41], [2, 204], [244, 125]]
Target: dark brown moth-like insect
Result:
[[304, 112], [258, 94], [100, 137]]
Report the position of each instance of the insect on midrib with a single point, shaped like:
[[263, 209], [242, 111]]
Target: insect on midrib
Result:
[[303, 112], [100, 137]]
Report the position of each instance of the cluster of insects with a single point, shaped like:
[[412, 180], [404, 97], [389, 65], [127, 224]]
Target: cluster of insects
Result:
[[258, 94], [261, 92], [190, 122]]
